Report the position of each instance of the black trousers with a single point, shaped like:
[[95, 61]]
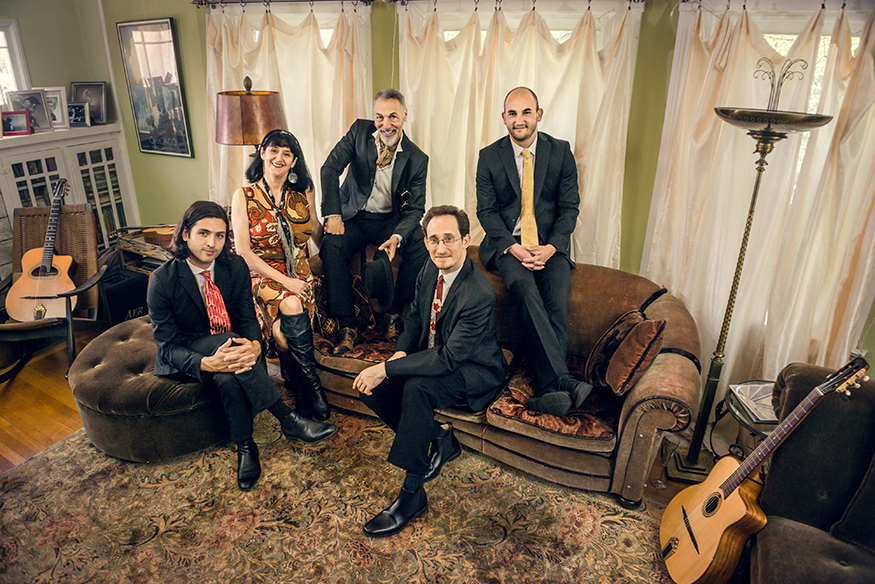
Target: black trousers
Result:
[[542, 299], [407, 406], [243, 395], [359, 231]]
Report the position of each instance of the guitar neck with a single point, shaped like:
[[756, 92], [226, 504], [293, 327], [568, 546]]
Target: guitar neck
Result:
[[49, 245], [836, 382]]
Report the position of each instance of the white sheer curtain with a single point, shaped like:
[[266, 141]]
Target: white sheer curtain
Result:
[[821, 296], [324, 87], [702, 193], [456, 88]]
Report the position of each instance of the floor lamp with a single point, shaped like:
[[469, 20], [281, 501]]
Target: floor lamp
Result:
[[767, 127]]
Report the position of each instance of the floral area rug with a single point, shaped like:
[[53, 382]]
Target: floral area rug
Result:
[[73, 514]]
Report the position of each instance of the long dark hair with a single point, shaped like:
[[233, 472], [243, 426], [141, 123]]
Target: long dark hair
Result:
[[282, 139], [199, 210]]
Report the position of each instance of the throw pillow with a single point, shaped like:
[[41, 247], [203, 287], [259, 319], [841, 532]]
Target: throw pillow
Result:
[[635, 355], [597, 364], [855, 526]]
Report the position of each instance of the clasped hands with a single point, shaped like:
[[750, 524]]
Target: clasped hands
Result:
[[368, 379], [236, 355], [334, 226], [533, 257]]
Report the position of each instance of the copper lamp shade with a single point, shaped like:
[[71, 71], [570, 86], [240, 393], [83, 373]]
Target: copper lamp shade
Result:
[[245, 117]]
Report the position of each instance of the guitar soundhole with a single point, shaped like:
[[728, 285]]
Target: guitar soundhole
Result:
[[41, 272], [711, 505]]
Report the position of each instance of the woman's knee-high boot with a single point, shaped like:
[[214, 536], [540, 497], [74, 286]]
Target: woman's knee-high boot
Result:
[[296, 328], [297, 383]]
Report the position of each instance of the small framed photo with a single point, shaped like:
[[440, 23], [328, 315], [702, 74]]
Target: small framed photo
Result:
[[16, 123], [56, 100], [34, 102], [94, 94], [79, 114]]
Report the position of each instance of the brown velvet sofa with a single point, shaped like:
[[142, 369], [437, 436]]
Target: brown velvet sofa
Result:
[[608, 445], [819, 493]]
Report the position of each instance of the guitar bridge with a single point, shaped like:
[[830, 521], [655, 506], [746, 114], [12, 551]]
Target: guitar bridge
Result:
[[669, 550], [39, 311]]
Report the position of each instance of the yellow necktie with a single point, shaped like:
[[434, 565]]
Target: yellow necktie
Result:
[[528, 225]]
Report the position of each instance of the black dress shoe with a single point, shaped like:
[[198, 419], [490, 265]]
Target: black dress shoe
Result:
[[408, 505], [578, 390], [297, 427], [443, 450], [248, 465], [554, 403]]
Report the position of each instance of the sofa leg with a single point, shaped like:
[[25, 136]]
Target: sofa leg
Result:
[[628, 503]]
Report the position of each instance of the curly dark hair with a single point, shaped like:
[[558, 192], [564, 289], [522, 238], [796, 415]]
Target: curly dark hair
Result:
[[282, 139], [197, 211]]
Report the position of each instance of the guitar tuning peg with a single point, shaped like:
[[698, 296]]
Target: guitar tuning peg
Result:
[[848, 392], [857, 385], [866, 378]]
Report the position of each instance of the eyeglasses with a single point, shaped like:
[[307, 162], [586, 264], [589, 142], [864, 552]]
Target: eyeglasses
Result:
[[447, 241]]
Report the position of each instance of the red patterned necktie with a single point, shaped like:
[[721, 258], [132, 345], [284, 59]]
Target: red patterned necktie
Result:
[[216, 311], [435, 309]]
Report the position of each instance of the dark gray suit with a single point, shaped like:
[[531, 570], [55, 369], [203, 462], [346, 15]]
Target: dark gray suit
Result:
[[542, 296], [358, 151], [466, 363], [182, 333]]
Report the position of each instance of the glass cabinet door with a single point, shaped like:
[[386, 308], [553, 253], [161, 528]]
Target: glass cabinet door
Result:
[[98, 171]]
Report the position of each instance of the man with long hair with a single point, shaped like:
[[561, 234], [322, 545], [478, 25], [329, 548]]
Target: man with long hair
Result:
[[205, 327]]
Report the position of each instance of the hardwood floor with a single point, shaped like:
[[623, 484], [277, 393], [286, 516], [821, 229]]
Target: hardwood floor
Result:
[[37, 409]]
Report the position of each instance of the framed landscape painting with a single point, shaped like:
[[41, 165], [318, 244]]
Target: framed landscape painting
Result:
[[154, 86]]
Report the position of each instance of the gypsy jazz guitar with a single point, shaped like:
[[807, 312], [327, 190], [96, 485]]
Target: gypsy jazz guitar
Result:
[[704, 528], [43, 274]]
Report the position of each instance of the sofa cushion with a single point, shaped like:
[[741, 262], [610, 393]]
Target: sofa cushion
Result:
[[634, 355], [855, 526], [592, 427], [788, 551], [597, 364]]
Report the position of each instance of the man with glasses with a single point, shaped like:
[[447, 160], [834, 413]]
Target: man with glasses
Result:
[[527, 203], [447, 354], [381, 201]]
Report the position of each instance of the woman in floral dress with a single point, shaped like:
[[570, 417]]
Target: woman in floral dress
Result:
[[272, 226]]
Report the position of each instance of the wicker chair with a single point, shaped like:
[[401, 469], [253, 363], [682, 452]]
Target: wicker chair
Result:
[[76, 237]]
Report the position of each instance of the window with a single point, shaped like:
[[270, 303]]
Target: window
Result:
[[13, 71]]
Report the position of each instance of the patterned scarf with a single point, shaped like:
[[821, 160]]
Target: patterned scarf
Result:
[[384, 158]]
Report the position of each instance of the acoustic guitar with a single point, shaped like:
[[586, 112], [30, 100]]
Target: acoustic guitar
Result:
[[704, 528], [43, 274]]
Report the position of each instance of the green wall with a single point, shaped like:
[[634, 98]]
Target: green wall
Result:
[[63, 43], [166, 185]]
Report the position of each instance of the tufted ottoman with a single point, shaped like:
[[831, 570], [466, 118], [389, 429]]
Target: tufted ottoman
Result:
[[129, 412]]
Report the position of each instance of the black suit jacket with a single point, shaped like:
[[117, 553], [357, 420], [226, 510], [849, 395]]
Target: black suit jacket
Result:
[[179, 314], [465, 338], [358, 151], [557, 199]]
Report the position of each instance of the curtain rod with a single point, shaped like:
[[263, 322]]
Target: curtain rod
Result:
[[267, 3]]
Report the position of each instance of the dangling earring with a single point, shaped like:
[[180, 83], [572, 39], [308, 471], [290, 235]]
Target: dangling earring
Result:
[[293, 178]]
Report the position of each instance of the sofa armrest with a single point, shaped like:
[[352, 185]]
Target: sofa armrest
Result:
[[663, 400]]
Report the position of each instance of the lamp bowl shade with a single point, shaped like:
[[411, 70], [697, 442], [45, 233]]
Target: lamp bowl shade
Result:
[[771, 120], [245, 117]]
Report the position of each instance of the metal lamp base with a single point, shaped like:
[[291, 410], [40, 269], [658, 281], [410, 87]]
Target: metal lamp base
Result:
[[678, 468]]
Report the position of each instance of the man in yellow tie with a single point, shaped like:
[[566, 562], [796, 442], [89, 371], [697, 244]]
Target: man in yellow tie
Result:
[[527, 203]]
